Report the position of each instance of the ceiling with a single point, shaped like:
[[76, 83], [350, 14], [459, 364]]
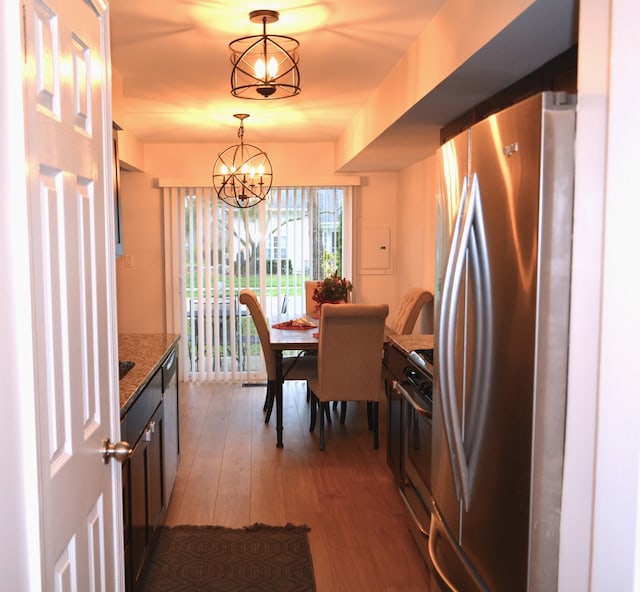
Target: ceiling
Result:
[[174, 61]]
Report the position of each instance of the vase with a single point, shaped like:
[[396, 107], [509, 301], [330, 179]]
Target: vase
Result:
[[316, 314]]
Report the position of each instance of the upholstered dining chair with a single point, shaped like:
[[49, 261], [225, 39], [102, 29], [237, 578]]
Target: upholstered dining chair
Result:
[[310, 304], [411, 305], [293, 367], [349, 361]]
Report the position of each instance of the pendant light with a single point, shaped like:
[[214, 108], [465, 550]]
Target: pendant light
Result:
[[264, 66], [242, 173]]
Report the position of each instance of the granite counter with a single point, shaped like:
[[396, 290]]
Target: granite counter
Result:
[[408, 343], [147, 351]]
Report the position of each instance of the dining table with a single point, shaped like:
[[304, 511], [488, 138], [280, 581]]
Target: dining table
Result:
[[283, 338], [290, 338]]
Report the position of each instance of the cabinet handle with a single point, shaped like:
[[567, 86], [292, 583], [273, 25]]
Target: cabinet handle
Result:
[[149, 431]]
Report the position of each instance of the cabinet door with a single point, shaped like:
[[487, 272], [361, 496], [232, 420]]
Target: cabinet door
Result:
[[155, 472], [394, 361], [147, 498], [126, 518], [138, 511], [144, 494]]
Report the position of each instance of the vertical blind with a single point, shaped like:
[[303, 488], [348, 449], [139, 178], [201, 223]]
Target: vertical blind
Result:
[[298, 233]]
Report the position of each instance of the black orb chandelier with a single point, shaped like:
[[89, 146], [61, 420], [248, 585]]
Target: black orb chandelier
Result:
[[242, 173], [264, 66]]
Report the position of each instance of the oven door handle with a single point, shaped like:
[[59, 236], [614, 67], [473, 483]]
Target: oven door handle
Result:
[[413, 401]]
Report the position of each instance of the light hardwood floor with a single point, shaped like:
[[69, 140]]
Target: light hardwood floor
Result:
[[232, 474]]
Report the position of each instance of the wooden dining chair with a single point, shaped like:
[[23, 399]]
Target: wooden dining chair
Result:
[[349, 361], [293, 367], [412, 303]]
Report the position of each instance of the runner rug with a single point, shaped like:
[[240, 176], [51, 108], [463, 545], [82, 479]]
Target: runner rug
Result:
[[215, 559]]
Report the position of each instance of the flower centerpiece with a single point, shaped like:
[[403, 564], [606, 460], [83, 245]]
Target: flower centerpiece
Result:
[[332, 289]]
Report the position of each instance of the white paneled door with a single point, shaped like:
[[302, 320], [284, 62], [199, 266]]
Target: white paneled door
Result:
[[70, 204]]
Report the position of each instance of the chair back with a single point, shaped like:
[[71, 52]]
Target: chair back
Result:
[[250, 300], [410, 307], [350, 351], [310, 304]]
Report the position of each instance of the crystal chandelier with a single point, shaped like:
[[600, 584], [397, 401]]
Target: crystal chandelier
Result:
[[242, 173], [264, 66]]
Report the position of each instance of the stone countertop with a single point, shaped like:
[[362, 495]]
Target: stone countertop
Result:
[[147, 351], [407, 343]]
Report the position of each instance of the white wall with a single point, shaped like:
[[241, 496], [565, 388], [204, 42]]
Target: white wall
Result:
[[140, 269], [140, 301], [416, 211]]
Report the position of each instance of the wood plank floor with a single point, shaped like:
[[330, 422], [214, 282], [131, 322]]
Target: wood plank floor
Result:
[[232, 474]]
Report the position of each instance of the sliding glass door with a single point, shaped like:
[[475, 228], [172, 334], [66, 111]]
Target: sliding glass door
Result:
[[298, 233]]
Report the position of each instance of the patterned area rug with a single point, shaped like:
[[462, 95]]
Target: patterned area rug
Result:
[[216, 559]]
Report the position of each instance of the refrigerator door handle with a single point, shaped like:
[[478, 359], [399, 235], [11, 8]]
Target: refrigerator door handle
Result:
[[462, 256], [469, 251], [446, 340], [483, 342], [438, 530]]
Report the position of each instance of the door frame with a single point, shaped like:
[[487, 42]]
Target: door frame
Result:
[[20, 550]]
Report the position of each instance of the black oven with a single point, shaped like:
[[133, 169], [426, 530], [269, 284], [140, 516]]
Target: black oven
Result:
[[417, 407]]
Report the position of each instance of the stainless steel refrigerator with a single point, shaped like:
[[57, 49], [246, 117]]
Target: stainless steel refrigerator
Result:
[[503, 261]]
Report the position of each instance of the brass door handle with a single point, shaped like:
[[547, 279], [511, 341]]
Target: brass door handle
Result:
[[121, 451]]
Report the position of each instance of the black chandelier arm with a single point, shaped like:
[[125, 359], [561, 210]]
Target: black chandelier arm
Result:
[[246, 87], [232, 182], [259, 38]]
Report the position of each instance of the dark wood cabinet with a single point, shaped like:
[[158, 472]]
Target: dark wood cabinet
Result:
[[393, 362], [144, 496]]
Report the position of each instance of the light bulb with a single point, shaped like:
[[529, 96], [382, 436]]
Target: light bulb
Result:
[[273, 67], [245, 168], [261, 169], [224, 170], [260, 69]]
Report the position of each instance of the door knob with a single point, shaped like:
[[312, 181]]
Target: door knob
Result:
[[121, 451]]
